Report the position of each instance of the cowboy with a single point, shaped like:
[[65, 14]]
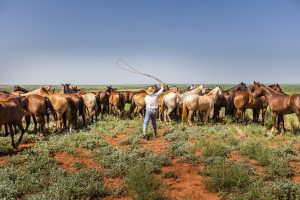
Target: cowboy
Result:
[[151, 101]]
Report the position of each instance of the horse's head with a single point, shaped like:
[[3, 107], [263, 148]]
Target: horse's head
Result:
[[16, 88], [259, 91], [276, 87], [166, 88], [109, 88], [74, 89]]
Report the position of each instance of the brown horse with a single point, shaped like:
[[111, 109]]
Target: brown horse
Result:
[[127, 96], [116, 103], [104, 99], [23, 103], [229, 96], [77, 99], [11, 114], [279, 103], [39, 107]]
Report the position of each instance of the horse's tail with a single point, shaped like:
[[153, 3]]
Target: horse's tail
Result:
[[162, 110], [98, 102], [132, 106], [230, 106], [81, 106], [72, 112], [49, 108], [184, 111]]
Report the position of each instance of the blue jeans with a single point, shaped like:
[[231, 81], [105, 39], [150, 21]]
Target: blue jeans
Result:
[[150, 114]]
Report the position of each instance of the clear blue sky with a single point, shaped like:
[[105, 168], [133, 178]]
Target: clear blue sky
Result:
[[55, 41]]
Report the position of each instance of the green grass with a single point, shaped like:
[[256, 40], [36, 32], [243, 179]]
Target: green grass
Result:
[[34, 173]]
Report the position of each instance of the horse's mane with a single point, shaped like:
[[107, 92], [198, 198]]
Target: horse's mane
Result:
[[272, 90]]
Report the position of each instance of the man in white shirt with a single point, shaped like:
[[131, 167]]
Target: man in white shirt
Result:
[[151, 101]]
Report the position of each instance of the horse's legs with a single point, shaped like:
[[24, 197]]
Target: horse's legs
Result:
[[27, 120], [206, 115], [12, 136], [191, 112], [35, 123], [110, 109], [238, 113], [6, 130], [59, 121], [263, 114], [139, 111], [274, 117], [281, 123], [20, 125], [165, 114], [169, 111]]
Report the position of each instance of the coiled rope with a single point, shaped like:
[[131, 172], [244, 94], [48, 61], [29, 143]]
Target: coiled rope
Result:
[[122, 64]]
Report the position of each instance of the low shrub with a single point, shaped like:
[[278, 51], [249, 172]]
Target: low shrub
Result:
[[227, 176], [143, 185]]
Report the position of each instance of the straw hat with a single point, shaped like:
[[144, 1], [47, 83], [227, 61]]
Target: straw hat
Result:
[[150, 90]]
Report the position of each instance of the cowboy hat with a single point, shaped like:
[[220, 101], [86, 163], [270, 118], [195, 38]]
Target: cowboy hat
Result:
[[150, 90]]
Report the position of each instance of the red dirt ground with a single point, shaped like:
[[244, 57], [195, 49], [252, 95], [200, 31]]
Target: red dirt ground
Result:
[[67, 161], [25, 146], [4, 159], [116, 141], [187, 183], [157, 145], [235, 156]]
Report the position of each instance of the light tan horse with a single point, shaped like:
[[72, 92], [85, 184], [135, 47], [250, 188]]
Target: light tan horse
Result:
[[138, 104], [161, 103], [203, 103], [174, 100], [92, 104], [39, 107], [64, 109]]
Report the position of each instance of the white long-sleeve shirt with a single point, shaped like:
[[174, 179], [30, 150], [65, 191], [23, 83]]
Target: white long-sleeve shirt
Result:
[[152, 99]]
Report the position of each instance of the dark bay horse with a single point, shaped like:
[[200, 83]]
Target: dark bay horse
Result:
[[104, 99], [11, 114], [17, 88], [279, 103], [226, 100], [77, 99]]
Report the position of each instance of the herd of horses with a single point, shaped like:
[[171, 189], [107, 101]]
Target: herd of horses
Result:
[[72, 103]]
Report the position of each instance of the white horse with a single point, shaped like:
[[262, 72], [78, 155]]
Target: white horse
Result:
[[203, 103], [174, 100]]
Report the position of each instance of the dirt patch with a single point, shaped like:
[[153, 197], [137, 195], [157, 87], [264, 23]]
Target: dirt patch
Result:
[[25, 146], [235, 156], [116, 141], [67, 161], [296, 166], [156, 145], [186, 182], [3, 160]]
